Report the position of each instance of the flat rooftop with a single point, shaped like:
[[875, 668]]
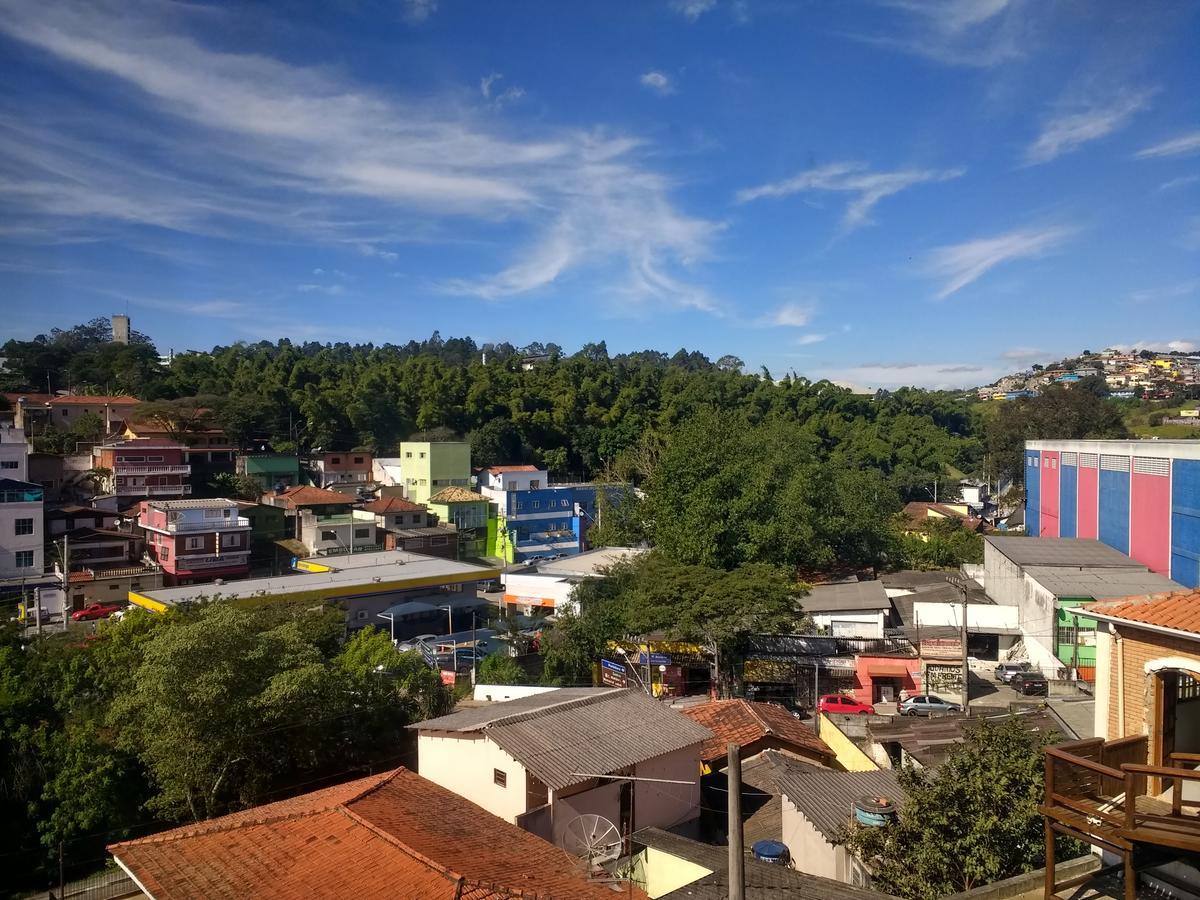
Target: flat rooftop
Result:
[[590, 562], [1051, 551], [350, 575], [1100, 583]]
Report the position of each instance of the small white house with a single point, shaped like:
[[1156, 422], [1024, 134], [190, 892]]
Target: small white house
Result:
[[850, 609], [542, 761]]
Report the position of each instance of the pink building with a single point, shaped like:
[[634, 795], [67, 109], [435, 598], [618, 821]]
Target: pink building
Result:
[[884, 679], [196, 541], [144, 468]]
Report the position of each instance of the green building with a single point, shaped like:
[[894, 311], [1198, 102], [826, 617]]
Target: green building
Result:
[[270, 470], [466, 511], [429, 466]]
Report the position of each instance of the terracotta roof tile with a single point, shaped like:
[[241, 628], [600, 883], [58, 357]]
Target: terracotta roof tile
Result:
[[305, 495], [1179, 610], [746, 722], [389, 835], [500, 470], [385, 505], [457, 495]]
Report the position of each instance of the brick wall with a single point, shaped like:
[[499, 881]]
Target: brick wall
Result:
[[1141, 647]]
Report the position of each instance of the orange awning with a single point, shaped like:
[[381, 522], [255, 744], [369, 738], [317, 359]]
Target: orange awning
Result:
[[887, 669]]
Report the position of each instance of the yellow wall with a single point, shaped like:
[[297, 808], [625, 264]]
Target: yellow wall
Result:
[[661, 873], [847, 753]]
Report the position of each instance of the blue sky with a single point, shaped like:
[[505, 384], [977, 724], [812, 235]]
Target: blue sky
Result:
[[880, 192]]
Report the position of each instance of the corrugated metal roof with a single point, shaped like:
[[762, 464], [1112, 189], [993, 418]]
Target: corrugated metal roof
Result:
[[826, 797], [850, 595], [1048, 551], [557, 734]]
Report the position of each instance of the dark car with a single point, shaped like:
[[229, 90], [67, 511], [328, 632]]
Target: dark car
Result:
[[95, 611], [1030, 683]]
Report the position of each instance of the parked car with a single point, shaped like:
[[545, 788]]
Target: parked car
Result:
[[94, 611], [1006, 671], [791, 704], [840, 703], [1030, 683], [924, 704]]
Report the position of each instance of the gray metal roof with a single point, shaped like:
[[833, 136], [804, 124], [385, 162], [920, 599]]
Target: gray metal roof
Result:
[[846, 596], [594, 730], [1048, 551], [588, 563], [826, 797], [762, 880], [1100, 583], [929, 741]]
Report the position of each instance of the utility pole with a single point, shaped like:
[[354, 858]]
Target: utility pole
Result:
[[737, 860], [961, 584]]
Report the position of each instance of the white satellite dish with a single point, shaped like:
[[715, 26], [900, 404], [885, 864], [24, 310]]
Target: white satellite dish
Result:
[[594, 839]]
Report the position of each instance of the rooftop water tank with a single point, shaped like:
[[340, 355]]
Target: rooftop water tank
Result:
[[772, 852], [874, 812]]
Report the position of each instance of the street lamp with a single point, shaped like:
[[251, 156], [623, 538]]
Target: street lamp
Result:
[[453, 644]]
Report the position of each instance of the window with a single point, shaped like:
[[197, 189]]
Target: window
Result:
[[194, 543], [166, 553], [408, 454], [25, 557], [562, 503], [362, 532], [436, 482], [358, 460], [362, 614], [500, 778], [8, 464], [534, 484], [537, 504], [231, 540], [517, 505], [154, 459], [328, 535], [512, 485], [422, 454], [64, 415], [23, 526], [417, 519]]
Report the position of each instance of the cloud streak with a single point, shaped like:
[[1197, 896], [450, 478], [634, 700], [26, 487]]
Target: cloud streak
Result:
[[1066, 132], [959, 265], [659, 82], [218, 140], [866, 187], [1178, 146], [969, 33]]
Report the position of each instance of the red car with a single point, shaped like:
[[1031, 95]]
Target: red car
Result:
[[94, 611], [840, 703]]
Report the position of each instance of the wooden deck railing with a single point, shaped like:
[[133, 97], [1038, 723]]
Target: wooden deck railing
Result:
[[1099, 792]]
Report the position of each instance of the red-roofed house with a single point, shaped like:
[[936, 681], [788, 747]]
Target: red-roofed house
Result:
[[513, 478], [386, 836], [404, 525], [755, 727]]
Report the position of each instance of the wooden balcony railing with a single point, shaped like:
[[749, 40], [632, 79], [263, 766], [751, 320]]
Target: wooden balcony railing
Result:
[[1105, 794]]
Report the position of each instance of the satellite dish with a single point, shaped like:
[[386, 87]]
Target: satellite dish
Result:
[[594, 839]]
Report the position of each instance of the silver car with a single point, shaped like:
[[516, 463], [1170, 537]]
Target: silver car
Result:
[[924, 704]]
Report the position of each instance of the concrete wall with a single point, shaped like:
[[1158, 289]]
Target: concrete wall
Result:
[[980, 616], [1002, 577], [664, 805], [660, 873], [867, 623], [809, 850], [499, 693], [538, 591], [465, 764]]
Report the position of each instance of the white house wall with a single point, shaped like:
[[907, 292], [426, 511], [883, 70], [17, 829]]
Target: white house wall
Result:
[[665, 805], [866, 623], [466, 765], [980, 617], [809, 850]]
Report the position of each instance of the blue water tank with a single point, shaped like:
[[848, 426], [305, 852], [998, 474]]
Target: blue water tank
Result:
[[874, 812], [770, 852]]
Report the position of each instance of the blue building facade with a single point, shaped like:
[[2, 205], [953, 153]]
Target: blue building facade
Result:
[[551, 521]]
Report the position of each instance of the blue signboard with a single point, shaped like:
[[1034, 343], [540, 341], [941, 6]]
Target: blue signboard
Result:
[[656, 659]]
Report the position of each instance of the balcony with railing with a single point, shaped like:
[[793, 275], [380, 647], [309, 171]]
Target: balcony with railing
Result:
[[208, 524], [1106, 794], [121, 468], [152, 490]]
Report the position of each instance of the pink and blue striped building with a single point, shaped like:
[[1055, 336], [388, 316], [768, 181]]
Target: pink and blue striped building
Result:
[[1139, 497]]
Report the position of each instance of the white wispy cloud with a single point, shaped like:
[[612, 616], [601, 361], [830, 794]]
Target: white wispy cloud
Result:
[[961, 264], [805, 340], [236, 139], [1068, 130], [1179, 346], [789, 315], [692, 9], [1023, 354], [499, 98], [659, 82], [938, 375], [1181, 181], [332, 290], [418, 10], [855, 178], [1176, 146], [974, 33], [1166, 292]]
